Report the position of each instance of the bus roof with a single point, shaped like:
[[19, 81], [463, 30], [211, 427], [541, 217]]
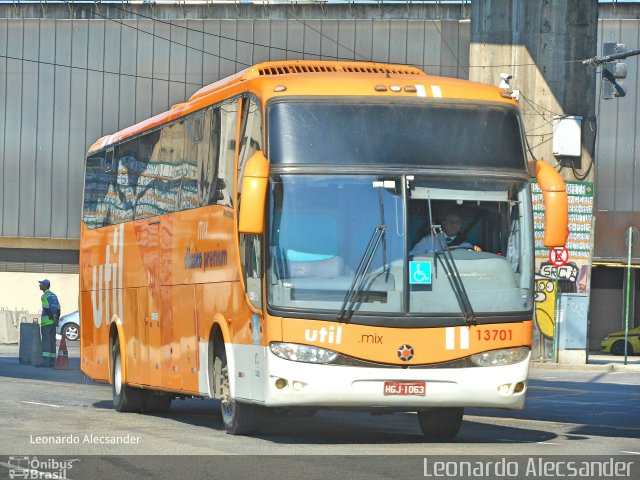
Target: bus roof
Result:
[[322, 78]]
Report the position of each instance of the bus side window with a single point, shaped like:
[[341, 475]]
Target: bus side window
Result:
[[225, 153], [121, 191], [156, 173], [250, 133], [215, 160], [207, 169], [96, 186], [195, 155], [251, 257], [250, 245]]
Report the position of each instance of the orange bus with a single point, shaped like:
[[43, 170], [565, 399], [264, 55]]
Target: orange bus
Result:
[[256, 245]]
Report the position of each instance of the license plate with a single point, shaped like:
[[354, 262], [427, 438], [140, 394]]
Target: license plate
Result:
[[405, 388]]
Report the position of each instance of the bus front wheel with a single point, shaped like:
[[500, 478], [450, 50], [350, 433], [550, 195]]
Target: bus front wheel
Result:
[[125, 399], [440, 423], [238, 418]]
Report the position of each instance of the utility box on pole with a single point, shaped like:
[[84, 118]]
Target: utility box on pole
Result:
[[573, 325]]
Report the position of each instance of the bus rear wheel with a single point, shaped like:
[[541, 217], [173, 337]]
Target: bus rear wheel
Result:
[[238, 418], [440, 423], [125, 399]]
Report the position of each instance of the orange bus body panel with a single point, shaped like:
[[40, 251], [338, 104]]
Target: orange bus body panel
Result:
[[366, 342], [163, 294]]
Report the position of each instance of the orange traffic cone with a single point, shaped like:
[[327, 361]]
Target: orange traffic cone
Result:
[[62, 362]]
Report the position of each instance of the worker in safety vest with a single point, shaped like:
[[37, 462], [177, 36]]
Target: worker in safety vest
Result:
[[48, 322]]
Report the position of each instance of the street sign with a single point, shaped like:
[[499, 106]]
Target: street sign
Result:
[[419, 273], [559, 256]]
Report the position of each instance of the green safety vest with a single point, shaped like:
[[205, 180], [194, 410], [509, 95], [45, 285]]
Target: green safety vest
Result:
[[50, 308]]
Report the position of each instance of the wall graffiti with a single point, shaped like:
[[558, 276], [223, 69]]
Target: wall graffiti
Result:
[[550, 281]]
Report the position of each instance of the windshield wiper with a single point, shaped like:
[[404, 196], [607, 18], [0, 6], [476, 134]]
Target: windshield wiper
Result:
[[385, 265], [452, 273], [451, 270], [351, 298]]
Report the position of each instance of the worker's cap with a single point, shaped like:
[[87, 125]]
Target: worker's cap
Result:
[[45, 282]]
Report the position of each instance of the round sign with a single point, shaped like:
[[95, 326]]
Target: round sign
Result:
[[559, 256]]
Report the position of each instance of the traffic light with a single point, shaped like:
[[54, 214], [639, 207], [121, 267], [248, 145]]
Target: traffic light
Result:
[[613, 71]]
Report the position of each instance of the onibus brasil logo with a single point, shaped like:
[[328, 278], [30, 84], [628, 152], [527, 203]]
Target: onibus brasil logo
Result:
[[40, 468]]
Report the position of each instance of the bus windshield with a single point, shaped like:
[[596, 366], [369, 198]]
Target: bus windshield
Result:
[[314, 133], [320, 226]]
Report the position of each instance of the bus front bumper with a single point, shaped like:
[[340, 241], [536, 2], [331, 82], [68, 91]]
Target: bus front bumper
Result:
[[292, 383]]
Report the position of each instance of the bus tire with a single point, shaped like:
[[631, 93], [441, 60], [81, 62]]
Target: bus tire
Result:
[[238, 418], [157, 403], [440, 423], [125, 398], [296, 412]]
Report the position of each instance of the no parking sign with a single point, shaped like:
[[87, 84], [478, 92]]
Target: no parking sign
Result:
[[558, 256]]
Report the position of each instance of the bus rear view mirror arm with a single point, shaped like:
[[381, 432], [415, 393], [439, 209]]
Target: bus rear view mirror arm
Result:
[[254, 194]]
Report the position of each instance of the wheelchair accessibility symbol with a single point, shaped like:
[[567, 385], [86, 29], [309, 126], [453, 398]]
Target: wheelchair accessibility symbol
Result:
[[420, 273]]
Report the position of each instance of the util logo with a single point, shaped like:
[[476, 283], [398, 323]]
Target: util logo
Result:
[[106, 296], [330, 335]]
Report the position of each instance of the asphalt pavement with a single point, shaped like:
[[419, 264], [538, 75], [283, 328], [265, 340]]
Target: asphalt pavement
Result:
[[588, 411]]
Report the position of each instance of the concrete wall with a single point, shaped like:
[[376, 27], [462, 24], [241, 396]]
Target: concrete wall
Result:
[[70, 74], [538, 43], [19, 291]]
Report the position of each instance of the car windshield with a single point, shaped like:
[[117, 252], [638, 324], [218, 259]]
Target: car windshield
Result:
[[320, 227]]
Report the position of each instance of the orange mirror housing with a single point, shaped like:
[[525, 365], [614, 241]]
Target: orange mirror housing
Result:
[[254, 194], [556, 209]]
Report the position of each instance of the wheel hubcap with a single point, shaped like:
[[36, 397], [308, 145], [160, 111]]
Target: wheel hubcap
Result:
[[226, 402], [72, 333], [117, 376]]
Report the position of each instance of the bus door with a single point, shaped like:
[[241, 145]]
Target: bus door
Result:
[[251, 255], [148, 237], [185, 336]]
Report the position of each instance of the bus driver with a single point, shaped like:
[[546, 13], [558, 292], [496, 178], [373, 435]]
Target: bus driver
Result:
[[449, 235]]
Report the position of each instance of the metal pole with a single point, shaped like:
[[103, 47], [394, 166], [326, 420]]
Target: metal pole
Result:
[[628, 296], [558, 318]]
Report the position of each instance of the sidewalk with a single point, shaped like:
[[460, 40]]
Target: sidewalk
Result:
[[596, 362]]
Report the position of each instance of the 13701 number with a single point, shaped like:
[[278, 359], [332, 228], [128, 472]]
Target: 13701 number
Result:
[[495, 334]]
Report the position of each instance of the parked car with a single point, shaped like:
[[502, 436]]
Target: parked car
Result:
[[614, 342], [69, 326]]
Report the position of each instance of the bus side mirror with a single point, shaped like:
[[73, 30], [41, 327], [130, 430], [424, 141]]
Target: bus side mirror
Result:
[[254, 194], [556, 209]]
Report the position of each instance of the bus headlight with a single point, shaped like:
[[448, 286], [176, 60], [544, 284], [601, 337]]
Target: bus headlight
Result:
[[302, 353], [497, 358]]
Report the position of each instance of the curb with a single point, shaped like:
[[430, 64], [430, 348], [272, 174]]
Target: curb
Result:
[[626, 368], [610, 367]]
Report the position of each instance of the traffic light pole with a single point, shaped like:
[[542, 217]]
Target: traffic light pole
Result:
[[609, 58], [612, 69]]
